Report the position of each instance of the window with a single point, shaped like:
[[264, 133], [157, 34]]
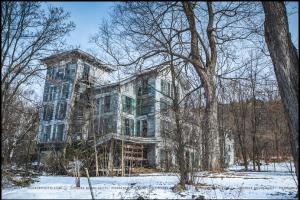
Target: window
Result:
[[60, 132], [47, 133], [165, 88], [70, 71], [96, 125], [128, 126], [107, 103], [144, 128], [128, 104], [97, 103], [138, 131], [145, 86], [46, 92], [80, 111], [65, 91], [54, 136], [164, 107], [60, 73], [51, 93], [61, 109], [107, 125], [165, 128], [144, 106], [126, 87], [51, 73], [48, 112], [86, 71], [177, 90]]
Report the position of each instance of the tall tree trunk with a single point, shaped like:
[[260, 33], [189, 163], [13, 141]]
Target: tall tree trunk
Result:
[[211, 129], [286, 65], [206, 74], [243, 151], [179, 133]]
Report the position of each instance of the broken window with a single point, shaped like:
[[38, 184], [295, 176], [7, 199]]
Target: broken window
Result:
[[86, 71], [61, 109], [48, 112]]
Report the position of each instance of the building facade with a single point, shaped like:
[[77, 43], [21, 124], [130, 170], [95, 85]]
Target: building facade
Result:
[[127, 118]]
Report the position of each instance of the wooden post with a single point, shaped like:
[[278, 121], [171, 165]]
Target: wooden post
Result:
[[90, 185], [111, 158], [122, 159], [105, 166], [77, 172]]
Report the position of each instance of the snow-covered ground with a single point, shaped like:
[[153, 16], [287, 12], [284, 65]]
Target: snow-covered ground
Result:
[[233, 184]]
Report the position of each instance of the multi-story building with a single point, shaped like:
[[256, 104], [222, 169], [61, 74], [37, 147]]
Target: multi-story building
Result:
[[126, 118]]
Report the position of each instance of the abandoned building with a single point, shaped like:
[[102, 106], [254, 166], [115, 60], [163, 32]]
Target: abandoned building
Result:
[[127, 118]]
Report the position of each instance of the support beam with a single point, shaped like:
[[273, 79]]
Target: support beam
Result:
[[111, 158]]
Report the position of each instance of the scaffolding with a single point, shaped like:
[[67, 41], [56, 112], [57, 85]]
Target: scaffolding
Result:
[[110, 158]]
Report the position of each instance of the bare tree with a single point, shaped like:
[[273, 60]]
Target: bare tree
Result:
[[28, 33], [286, 66]]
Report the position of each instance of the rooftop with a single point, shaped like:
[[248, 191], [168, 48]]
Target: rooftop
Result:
[[77, 53]]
